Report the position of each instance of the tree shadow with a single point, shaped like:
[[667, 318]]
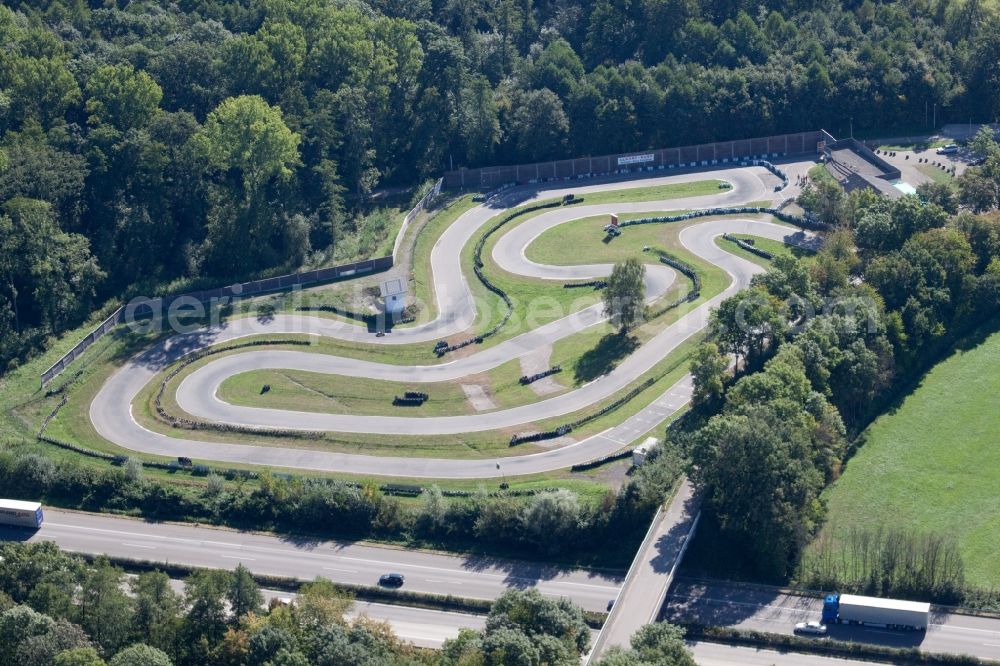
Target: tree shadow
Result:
[[603, 358]]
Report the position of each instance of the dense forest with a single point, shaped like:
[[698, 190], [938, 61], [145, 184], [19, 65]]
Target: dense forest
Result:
[[59, 610], [144, 142], [825, 345]]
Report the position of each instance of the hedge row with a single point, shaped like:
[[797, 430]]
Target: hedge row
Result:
[[828, 647], [749, 247], [529, 379], [397, 489], [804, 222], [596, 284], [371, 593], [443, 348]]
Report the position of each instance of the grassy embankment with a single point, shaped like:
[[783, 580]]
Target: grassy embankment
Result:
[[932, 464]]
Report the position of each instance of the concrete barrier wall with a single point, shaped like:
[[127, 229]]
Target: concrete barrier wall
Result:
[[702, 155]]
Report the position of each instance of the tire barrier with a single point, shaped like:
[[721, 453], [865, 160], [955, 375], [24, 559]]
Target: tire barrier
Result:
[[591, 464], [442, 347], [410, 399], [687, 271], [188, 424], [596, 284], [528, 379], [539, 436], [804, 222], [569, 427], [773, 169], [749, 247]]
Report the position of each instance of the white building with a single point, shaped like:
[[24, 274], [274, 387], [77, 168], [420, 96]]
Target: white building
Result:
[[393, 294], [640, 452]]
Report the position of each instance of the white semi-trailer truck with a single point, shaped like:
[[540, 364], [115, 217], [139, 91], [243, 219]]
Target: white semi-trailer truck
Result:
[[889, 613], [19, 513]]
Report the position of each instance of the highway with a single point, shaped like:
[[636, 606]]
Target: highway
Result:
[[431, 628], [306, 559], [767, 609], [476, 577]]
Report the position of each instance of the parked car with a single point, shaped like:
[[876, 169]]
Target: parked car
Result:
[[948, 150], [391, 580], [812, 628]]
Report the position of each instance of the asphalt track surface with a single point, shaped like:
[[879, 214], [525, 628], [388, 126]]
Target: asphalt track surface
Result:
[[111, 409]]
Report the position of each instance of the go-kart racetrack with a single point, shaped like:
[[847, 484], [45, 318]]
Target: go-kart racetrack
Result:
[[111, 409]]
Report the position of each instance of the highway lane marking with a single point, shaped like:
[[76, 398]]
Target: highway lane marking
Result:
[[239, 557], [261, 549], [742, 603], [992, 644], [138, 545], [712, 600], [340, 569], [961, 628]]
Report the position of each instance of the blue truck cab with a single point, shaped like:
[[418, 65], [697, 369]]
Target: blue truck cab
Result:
[[831, 609]]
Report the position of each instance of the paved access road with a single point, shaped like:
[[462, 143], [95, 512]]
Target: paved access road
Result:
[[766, 609], [111, 409], [297, 557]]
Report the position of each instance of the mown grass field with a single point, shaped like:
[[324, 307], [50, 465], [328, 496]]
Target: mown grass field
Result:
[[933, 463], [317, 392]]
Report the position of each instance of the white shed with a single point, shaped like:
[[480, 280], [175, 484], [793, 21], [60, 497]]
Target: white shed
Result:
[[640, 452], [393, 294]]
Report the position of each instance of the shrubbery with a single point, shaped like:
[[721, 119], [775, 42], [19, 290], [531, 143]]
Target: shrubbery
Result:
[[484, 519]]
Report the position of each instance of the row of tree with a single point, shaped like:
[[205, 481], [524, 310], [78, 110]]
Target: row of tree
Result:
[[59, 610], [218, 139], [822, 348], [549, 523]]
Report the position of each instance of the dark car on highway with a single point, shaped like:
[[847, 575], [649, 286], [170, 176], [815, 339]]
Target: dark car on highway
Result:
[[391, 580]]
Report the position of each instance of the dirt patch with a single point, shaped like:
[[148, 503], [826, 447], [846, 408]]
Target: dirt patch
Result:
[[537, 361], [478, 397]]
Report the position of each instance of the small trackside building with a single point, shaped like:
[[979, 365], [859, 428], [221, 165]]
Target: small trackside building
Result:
[[393, 293], [641, 452]]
